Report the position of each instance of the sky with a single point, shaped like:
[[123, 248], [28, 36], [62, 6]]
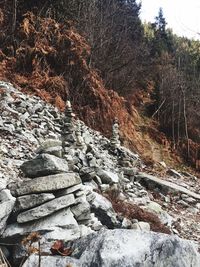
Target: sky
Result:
[[181, 15]]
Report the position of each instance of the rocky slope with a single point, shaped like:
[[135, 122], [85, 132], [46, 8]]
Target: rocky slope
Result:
[[68, 182]]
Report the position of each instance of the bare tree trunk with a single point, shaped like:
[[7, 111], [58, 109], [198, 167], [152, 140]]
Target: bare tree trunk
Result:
[[186, 126], [173, 128], [179, 118], [13, 27]]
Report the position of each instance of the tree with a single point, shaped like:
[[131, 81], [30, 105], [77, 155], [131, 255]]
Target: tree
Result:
[[162, 41]]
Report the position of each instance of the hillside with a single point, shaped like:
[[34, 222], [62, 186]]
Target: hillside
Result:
[[64, 60], [99, 137], [63, 185]]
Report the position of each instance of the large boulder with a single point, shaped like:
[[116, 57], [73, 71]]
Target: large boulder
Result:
[[131, 248], [48, 183], [103, 210], [44, 164], [7, 202]]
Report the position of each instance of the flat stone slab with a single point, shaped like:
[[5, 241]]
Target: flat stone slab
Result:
[[60, 224], [33, 200], [46, 209], [48, 183], [69, 190], [44, 164], [152, 181]]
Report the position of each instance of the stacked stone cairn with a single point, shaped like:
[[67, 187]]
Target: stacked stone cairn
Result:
[[53, 200], [68, 137], [115, 141]]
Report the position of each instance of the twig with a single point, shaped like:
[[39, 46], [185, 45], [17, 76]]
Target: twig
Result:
[[158, 108]]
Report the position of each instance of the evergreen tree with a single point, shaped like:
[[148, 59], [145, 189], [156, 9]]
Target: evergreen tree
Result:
[[162, 38]]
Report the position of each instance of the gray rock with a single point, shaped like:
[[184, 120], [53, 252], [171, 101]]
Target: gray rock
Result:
[[108, 177], [30, 201], [60, 225], [48, 183], [162, 214], [174, 173], [49, 143], [153, 182], [131, 248], [143, 226], [103, 210], [44, 164], [81, 211], [7, 202], [130, 171], [69, 190], [126, 223], [6, 253], [46, 209], [51, 261]]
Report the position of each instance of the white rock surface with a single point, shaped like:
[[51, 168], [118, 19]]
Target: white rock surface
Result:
[[131, 248]]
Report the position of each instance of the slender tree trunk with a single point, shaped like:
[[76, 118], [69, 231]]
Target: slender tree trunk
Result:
[[186, 125]]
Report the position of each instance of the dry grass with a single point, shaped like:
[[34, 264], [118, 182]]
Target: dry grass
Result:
[[131, 211]]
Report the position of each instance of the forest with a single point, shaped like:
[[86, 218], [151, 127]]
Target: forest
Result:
[[101, 56]]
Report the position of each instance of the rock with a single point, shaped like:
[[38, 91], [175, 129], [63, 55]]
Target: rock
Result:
[[103, 210], [60, 225], [126, 223], [7, 202], [130, 171], [108, 177], [46, 209], [163, 164], [87, 174], [114, 248], [51, 261], [143, 226], [5, 251], [69, 190], [174, 173], [193, 210], [48, 183], [44, 164], [84, 230], [153, 182], [198, 206], [30, 201], [163, 215], [81, 211], [104, 187], [49, 143], [183, 203]]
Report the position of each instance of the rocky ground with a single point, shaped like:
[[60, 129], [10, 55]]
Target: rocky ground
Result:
[[32, 149]]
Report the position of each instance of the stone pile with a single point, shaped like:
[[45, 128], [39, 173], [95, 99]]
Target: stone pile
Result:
[[55, 192], [53, 201]]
